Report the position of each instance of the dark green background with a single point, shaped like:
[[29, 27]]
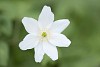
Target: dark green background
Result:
[[83, 31]]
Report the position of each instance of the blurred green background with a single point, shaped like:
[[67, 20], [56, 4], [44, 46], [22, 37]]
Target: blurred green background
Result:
[[84, 32]]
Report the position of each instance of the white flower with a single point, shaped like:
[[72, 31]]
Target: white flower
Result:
[[44, 35]]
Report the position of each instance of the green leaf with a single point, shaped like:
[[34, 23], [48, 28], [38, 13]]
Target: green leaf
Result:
[[5, 26], [4, 53], [46, 59]]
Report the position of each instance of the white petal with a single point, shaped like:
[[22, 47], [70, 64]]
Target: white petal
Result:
[[59, 25], [46, 16], [29, 42], [50, 50], [31, 25], [39, 52], [59, 40]]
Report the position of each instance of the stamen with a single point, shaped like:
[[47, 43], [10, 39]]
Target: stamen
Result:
[[44, 34]]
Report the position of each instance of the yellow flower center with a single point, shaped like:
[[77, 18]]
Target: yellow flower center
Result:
[[44, 34]]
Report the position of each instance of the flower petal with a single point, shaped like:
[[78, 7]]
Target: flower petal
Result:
[[59, 25], [46, 16], [29, 42], [50, 50], [59, 40], [31, 25], [39, 52]]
